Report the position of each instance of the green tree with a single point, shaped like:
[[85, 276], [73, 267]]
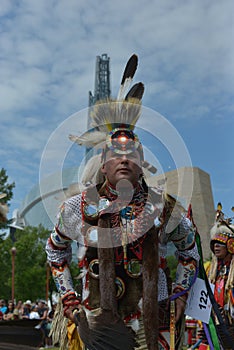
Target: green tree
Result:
[[172, 264], [30, 264], [5, 275], [6, 188]]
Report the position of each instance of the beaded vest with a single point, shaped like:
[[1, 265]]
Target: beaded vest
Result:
[[130, 224]]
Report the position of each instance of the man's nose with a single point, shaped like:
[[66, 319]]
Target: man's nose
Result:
[[124, 159]]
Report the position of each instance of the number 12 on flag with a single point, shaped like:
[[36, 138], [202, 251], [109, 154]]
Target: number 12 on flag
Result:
[[198, 304]]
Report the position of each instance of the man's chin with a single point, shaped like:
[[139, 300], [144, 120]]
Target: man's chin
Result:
[[125, 180]]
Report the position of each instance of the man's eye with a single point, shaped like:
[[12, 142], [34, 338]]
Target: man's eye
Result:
[[133, 158]]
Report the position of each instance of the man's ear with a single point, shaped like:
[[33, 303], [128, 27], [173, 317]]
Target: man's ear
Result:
[[103, 169]]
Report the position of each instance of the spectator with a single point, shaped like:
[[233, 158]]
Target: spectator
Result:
[[3, 306], [9, 314], [26, 309], [34, 314], [49, 323], [43, 312], [18, 310]]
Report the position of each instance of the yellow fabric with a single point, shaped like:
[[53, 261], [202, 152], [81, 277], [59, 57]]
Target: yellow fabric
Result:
[[75, 343], [207, 266]]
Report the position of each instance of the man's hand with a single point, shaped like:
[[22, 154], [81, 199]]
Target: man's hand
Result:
[[180, 307], [71, 313], [70, 304]]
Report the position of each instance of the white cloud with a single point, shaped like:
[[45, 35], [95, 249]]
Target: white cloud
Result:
[[47, 63]]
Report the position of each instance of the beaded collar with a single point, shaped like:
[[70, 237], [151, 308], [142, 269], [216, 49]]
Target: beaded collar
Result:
[[112, 193]]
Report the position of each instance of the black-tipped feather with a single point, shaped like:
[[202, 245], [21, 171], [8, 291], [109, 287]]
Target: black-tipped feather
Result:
[[149, 167], [130, 68], [128, 75], [108, 333], [136, 91]]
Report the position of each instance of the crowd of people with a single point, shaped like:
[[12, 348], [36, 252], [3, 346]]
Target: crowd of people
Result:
[[38, 310]]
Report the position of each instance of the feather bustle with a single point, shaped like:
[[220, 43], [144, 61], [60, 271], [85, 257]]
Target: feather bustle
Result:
[[107, 333]]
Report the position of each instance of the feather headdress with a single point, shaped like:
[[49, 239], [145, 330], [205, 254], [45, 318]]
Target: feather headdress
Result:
[[111, 114], [222, 230]]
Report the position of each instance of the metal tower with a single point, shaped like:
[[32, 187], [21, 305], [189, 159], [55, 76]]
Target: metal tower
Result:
[[101, 88], [102, 79]]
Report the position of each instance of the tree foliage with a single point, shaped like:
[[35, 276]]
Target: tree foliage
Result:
[[31, 267], [172, 264], [30, 264], [6, 188]]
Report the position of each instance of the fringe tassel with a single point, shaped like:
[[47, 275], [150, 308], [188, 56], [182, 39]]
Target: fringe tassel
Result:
[[213, 269], [58, 330], [230, 280]]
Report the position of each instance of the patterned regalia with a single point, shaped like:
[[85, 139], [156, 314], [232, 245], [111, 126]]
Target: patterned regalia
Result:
[[220, 272], [122, 238]]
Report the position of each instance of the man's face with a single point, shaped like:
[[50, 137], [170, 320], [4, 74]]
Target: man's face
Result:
[[122, 167], [220, 250]]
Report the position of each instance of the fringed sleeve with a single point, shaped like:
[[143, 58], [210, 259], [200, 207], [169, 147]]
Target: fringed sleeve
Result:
[[183, 238], [58, 247]]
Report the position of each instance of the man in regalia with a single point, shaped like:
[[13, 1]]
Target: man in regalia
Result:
[[122, 227], [220, 271]]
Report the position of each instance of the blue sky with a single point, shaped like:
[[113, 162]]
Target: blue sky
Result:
[[48, 51]]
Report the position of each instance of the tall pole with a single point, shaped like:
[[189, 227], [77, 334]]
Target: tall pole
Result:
[[13, 253]]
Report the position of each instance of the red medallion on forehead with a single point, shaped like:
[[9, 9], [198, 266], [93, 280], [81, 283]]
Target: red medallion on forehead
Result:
[[123, 141]]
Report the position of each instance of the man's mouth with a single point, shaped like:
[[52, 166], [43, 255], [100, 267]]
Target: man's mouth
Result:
[[123, 169]]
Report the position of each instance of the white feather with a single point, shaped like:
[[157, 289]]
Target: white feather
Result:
[[4, 209], [220, 228], [124, 89], [109, 114], [91, 173], [89, 139]]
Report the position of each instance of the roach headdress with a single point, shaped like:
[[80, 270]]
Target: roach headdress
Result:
[[114, 120], [222, 231]]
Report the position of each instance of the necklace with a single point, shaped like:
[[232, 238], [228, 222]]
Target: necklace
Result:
[[127, 215]]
